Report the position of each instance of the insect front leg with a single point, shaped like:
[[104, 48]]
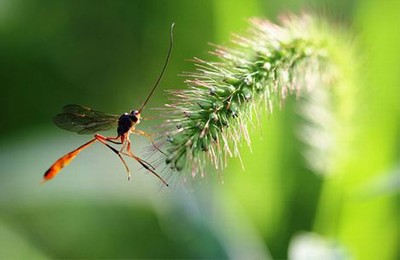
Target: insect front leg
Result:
[[150, 138]]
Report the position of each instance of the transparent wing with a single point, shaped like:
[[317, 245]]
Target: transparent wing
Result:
[[83, 120]]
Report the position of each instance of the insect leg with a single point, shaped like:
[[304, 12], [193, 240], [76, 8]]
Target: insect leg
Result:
[[145, 164], [103, 140], [130, 154], [109, 139], [64, 161], [148, 136]]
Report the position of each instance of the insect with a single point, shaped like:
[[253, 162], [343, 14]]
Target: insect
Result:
[[83, 120]]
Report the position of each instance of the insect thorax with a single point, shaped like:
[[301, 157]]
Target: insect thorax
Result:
[[126, 122]]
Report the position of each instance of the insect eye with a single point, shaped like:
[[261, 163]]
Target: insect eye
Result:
[[134, 112], [134, 115]]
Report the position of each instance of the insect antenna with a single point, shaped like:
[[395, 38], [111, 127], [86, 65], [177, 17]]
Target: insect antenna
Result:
[[171, 42]]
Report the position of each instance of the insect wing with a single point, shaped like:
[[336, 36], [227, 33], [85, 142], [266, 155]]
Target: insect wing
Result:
[[83, 120]]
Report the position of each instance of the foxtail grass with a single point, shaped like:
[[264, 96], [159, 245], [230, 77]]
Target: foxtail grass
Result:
[[210, 120]]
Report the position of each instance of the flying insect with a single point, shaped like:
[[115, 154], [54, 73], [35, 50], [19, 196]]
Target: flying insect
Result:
[[83, 120]]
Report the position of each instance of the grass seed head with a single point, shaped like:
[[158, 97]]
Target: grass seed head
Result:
[[208, 120]]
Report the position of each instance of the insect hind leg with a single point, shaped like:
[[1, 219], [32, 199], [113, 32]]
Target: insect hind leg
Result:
[[142, 162], [110, 139], [130, 154], [103, 140]]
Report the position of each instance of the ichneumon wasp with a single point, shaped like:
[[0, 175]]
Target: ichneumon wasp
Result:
[[83, 120]]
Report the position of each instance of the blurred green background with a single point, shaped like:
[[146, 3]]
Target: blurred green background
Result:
[[107, 55]]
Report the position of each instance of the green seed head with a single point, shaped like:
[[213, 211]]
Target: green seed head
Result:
[[210, 118]]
